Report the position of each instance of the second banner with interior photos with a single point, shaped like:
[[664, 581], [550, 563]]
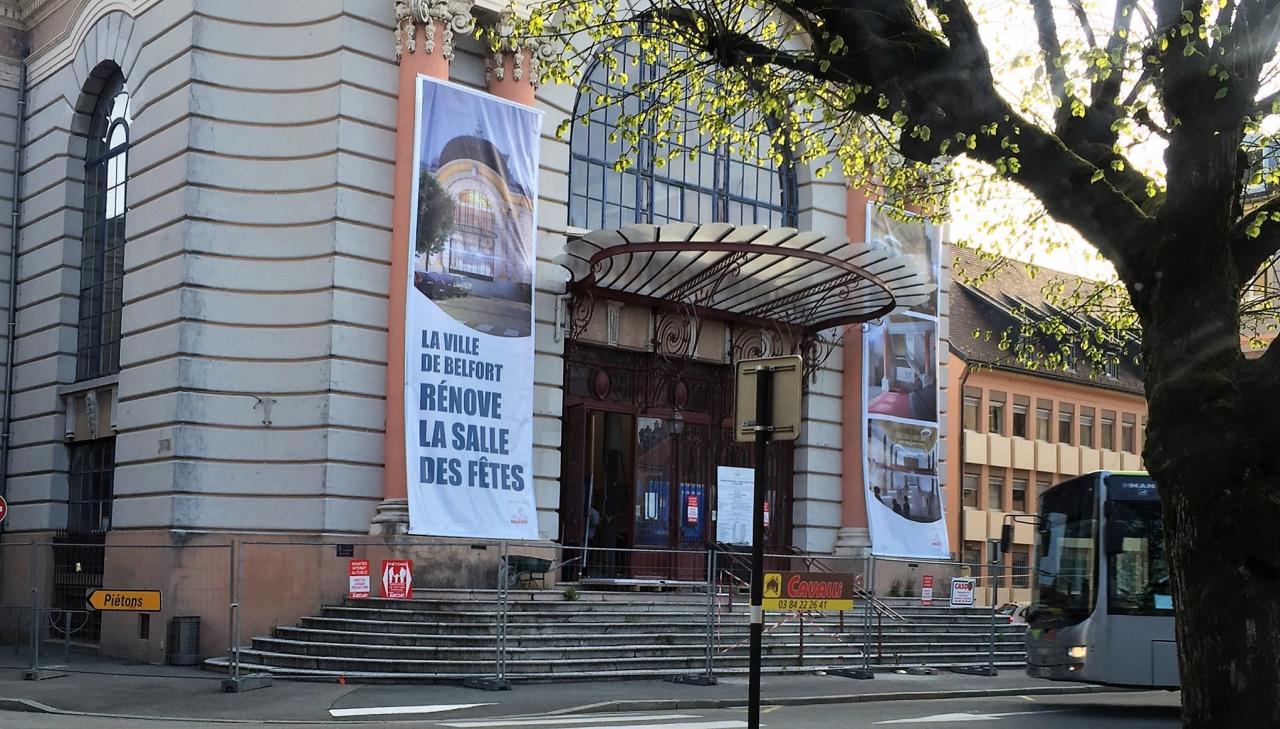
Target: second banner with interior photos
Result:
[[905, 509]]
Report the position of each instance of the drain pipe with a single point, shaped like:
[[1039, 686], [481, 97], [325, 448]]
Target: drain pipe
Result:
[[15, 223], [964, 379]]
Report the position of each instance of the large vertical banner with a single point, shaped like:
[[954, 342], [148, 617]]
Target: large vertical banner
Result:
[[900, 403], [469, 324]]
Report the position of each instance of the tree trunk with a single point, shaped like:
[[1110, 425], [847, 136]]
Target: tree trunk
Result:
[[1212, 448]]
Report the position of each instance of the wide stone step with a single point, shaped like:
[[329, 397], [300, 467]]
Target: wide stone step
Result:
[[602, 668], [692, 637]]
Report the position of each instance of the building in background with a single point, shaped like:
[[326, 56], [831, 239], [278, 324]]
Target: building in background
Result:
[[1023, 429]]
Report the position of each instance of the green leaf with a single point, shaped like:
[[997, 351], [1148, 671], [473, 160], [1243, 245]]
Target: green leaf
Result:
[[1077, 108], [1096, 176], [1222, 93]]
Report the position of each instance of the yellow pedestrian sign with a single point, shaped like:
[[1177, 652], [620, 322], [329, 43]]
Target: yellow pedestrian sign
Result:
[[134, 601]]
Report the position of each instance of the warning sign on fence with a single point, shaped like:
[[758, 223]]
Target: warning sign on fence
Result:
[[358, 577], [397, 578], [926, 590], [962, 591]]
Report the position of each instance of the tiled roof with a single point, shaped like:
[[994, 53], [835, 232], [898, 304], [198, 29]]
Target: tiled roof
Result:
[[984, 295]]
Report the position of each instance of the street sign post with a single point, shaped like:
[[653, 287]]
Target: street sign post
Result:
[[129, 601], [768, 406], [786, 375]]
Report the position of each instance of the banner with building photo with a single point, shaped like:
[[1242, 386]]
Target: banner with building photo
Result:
[[900, 406], [469, 320]]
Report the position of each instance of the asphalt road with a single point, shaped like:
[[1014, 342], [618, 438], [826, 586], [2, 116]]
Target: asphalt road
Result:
[[1110, 711]]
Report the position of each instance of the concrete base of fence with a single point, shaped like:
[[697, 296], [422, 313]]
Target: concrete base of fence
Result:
[[862, 674], [699, 679], [487, 683], [248, 682], [41, 674], [974, 670], [922, 671]]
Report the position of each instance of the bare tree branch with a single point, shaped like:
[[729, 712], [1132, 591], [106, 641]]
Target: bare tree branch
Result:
[[1083, 17], [1051, 52]]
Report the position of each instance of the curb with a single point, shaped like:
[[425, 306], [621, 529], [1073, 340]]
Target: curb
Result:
[[736, 703], [35, 707]]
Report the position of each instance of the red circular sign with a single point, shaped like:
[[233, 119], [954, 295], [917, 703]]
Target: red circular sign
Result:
[[4, 509]]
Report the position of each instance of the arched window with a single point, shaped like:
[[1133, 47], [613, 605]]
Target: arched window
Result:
[[106, 173], [475, 233], [718, 186]]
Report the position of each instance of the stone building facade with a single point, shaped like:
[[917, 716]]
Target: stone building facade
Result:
[[211, 201]]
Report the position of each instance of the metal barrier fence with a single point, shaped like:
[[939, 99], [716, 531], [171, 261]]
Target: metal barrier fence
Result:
[[295, 605], [73, 602]]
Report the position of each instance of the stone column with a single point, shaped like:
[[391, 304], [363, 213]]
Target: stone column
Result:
[[424, 35], [854, 538]]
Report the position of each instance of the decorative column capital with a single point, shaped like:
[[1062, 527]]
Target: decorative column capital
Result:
[[527, 54], [454, 15]]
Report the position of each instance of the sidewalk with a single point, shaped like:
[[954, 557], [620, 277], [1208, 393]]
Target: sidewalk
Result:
[[162, 692]]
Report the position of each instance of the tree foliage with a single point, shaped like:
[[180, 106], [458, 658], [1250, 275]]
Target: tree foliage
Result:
[[435, 216]]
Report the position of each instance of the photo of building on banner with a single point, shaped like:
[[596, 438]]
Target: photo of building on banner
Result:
[[905, 505], [469, 320]]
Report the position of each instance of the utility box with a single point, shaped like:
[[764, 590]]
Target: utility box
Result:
[[183, 645]]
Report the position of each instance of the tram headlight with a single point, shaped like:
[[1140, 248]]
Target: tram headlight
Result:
[[1078, 652]]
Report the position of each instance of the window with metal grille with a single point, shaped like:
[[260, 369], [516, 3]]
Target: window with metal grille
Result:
[[694, 179], [91, 485], [106, 173]]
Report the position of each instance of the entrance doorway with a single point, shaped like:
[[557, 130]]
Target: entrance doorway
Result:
[[640, 452]]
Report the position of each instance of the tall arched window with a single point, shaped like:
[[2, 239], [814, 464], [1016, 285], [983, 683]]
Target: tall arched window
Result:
[[720, 185], [106, 173]]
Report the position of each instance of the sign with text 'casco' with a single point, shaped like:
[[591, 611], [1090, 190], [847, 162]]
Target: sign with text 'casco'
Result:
[[132, 601], [808, 591]]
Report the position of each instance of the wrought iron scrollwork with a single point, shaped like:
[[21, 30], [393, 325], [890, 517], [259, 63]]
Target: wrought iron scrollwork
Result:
[[581, 308]]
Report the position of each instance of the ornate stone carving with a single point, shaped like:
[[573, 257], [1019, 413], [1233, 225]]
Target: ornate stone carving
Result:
[[454, 14], [91, 413], [406, 29], [533, 51]]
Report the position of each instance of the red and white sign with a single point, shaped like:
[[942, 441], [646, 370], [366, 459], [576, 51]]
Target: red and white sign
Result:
[[4, 509], [766, 515], [358, 578], [692, 503], [926, 590], [397, 578], [962, 591]]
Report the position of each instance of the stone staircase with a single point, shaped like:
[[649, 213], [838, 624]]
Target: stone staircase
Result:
[[449, 635]]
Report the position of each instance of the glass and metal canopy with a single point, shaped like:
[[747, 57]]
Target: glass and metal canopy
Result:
[[780, 278]]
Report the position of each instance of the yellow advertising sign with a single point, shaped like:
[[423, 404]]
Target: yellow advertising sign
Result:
[[134, 601], [792, 591]]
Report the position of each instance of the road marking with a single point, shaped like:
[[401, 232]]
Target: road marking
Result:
[[566, 720], [577, 722], [394, 710], [957, 718]]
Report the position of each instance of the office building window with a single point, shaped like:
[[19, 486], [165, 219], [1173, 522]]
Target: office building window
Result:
[[1020, 405], [1021, 565], [995, 413], [969, 493], [1086, 427], [1066, 423], [1044, 414], [972, 555], [995, 490], [1126, 437], [1019, 501], [1108, 430], [1043, 482], [970, 414]]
